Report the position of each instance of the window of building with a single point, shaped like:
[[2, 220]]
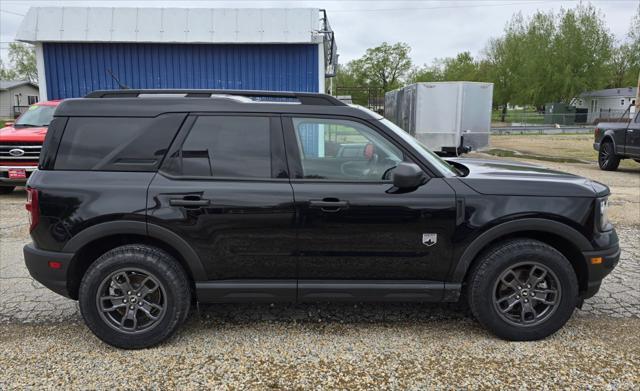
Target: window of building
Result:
[[32, 99]]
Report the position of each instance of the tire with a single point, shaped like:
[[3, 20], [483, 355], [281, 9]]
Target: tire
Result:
[[487, 290], [126, 320], [607, 159], [6, 189]]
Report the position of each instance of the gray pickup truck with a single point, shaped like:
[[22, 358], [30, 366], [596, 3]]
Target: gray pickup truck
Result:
[[617, 140]]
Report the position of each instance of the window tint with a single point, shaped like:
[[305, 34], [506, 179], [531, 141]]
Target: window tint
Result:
[[116, 143], [226, 147], [344, 150]]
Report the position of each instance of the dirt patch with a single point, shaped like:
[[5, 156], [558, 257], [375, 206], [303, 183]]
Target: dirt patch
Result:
[[561, 147]]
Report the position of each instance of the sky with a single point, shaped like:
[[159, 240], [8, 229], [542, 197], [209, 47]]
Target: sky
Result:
[[433, 29]]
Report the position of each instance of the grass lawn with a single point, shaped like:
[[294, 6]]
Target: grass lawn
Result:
[[557, 147], [527, 116]]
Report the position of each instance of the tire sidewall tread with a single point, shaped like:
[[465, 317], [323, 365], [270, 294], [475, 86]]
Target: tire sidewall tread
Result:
[[163, 266], [493, 262]]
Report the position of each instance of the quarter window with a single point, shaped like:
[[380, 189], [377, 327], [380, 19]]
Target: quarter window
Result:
[[335, 149], [226, 147]]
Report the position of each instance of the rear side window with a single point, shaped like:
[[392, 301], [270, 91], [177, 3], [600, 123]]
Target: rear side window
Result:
[[225, 147], [116, 143]]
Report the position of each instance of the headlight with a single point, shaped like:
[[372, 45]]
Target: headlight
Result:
[[603, 215]]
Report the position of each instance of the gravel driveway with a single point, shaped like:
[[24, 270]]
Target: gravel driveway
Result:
[[43, 342]]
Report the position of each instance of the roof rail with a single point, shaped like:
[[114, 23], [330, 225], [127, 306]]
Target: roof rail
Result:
[[305, 98]]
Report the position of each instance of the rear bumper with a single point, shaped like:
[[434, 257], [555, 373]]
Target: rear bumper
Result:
[[4, 175], [598, 271], [596, 146], [37, 262]]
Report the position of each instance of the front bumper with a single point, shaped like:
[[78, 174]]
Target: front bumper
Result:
[[37, 262], [597, 271], [4, 175]]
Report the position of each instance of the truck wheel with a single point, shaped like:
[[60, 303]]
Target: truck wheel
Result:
[[6, 189], [134, 296], [607, 159], [523, 290]]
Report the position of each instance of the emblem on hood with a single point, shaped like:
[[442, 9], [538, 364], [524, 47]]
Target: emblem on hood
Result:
[[16, 152], [429, 239]]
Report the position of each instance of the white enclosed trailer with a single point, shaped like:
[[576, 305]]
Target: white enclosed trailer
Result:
[[447, 117]]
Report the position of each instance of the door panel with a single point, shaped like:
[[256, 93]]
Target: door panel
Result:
[[632, 144], [245, 230], [350, 227], [377, 235], [224, 188]]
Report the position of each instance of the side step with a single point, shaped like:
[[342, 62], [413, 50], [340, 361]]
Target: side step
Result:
[[234, 291]]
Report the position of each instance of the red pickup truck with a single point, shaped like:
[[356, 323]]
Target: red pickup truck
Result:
[[20, 144]]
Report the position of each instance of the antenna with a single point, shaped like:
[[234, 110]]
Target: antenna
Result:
[[122, 86]]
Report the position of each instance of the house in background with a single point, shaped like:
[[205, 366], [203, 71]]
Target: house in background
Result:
[[606, 104], [16, 96]]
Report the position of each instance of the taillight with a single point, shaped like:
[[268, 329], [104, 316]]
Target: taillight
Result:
[[596, 133], [33, 208]]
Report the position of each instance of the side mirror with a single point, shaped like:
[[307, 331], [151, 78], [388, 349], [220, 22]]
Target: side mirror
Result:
[[407, 176]]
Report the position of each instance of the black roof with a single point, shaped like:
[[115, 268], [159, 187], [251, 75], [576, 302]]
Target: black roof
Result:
[[150, 103]]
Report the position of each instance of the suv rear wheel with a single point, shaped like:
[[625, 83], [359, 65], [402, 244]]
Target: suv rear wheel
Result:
[[607, 159], [523, 290], [134, 296]]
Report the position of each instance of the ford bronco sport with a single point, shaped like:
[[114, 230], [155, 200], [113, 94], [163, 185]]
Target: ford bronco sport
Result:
[[148, 200]]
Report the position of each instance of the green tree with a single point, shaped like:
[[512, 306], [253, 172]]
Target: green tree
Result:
[[7, 73], [22, 61], [460, 68], [625, 65], [426, 73], [582, 51], [23, 58], [384, 66]]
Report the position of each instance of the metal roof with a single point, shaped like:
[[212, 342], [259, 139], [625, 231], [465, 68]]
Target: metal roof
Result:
[[622, 91], [171, 25], [9, 84]]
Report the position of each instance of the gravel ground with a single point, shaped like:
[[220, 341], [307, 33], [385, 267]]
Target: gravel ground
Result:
[[590, 352], [43, 343]]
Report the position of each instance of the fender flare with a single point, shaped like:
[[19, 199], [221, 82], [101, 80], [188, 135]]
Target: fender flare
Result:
[[162, 234], [528, 224], [610, 134]]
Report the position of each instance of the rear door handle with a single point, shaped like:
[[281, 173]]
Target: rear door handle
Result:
[[329, 206], [189, 203]]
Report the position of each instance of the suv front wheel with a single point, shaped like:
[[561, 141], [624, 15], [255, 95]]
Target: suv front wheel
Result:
[[134, 296], [523, 290]]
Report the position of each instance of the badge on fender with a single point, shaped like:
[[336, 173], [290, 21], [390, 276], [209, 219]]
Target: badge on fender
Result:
[[429, 239]]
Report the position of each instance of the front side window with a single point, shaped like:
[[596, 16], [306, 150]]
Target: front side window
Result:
[[336, 149], [226, 147]]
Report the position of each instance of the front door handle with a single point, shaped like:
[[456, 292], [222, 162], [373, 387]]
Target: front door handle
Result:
[[329, 206], [189, 202]]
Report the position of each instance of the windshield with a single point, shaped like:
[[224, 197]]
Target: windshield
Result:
[[445, 168], [36, 116]]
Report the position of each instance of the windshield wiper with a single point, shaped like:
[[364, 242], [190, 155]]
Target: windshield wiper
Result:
[[29, 125]]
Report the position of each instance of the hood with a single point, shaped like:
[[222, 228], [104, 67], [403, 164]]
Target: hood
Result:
[[502, 177], [31, 134]]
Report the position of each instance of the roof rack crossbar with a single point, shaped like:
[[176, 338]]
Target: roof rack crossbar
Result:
[[305, 98]]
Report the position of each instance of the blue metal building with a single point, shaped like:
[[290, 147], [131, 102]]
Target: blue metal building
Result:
[[79, 50]]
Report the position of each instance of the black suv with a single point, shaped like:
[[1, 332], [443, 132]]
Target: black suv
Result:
[[148, 200]]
